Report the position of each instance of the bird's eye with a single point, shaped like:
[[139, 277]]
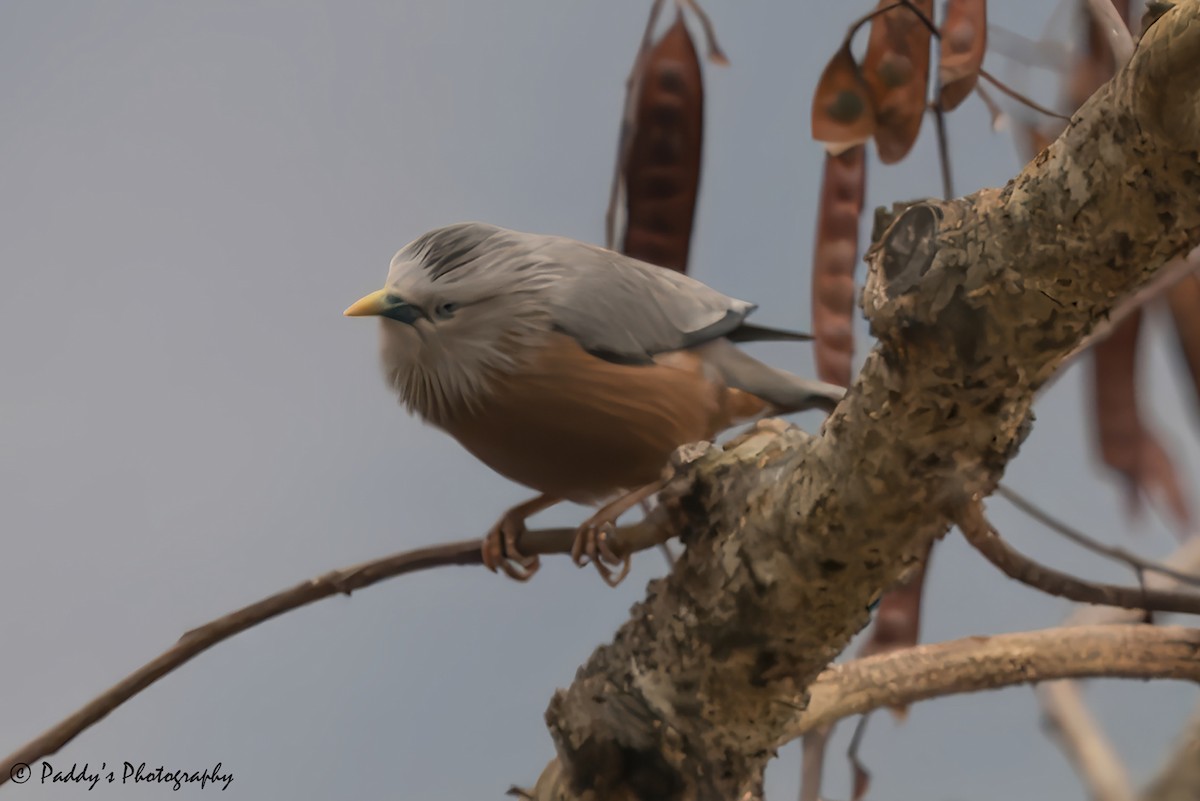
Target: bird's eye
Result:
[[445, 310]]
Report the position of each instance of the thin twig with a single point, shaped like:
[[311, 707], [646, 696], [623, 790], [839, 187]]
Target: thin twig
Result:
[[865, 18], [1020, 98], [983, 537], [715, 54], [939, 119], [638, 536], [999, 118], [860, 777], [1079, 538]]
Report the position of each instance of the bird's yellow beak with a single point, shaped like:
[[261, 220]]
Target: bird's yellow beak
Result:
[[372, 305]]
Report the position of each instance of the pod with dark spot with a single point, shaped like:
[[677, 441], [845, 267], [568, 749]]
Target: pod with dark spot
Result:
[[842, 112], [963, 44], [896, 68]]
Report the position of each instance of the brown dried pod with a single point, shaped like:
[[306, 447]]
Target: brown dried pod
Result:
[[842, 113], [896, 68], [662, 170], [1126, 444], [835, 255], [1184, 301], [963, 43]]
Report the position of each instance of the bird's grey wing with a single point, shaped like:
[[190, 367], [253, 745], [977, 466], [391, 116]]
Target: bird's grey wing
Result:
[[786, 392], [625, 310]]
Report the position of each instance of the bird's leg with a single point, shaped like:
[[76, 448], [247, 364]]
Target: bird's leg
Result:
[[500, 545], [667, 553], [591, 539]]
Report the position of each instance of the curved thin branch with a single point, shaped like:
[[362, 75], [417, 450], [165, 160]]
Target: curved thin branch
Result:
[[988, 663], [627, 539], [983, 537], [1079, 538]]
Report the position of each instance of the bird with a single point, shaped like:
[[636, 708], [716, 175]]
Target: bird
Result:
[[571, 369]]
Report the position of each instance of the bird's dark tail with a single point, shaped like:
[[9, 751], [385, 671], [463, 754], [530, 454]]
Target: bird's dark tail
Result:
[[748, 332]]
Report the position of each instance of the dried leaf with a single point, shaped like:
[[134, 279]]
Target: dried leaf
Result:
[[963, 43], [897, 70], [835, 256], [842, 113], [662, 173], [1126, 445]]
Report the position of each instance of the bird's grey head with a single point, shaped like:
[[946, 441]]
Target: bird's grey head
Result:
[[461, 305]]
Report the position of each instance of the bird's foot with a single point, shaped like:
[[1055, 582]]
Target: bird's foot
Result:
[[592, 545], [593, 539], [500, 549]]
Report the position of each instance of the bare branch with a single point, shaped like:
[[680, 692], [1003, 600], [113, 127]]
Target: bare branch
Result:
[[973, 664], [983, 537], [627, 539], [1020, 98], [1076, 536]]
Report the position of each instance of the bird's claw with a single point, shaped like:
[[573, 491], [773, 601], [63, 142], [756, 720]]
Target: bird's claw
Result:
[[500, 550], [592, 545]]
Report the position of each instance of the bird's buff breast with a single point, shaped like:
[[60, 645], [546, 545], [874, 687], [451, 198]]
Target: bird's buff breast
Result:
[[577, 427]]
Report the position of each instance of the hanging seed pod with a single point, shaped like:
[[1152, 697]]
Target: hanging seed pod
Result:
[[835, 256], [1126, 445], [662, 171], [842, 113], [896, 68], [963, 43], [1184, 302]]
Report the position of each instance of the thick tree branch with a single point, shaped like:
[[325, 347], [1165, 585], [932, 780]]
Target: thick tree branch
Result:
[[975, 303], [989, 663]]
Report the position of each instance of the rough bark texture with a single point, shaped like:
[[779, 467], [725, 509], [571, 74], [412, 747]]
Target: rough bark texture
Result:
[[975, 303]]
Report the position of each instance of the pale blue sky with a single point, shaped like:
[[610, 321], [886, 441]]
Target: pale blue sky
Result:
[[191, 192]]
